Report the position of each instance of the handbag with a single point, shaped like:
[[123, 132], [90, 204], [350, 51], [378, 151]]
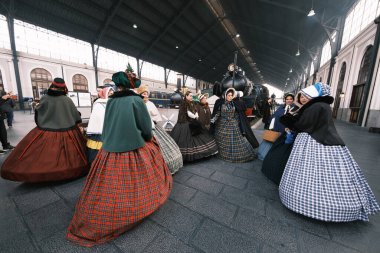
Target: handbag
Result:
[[270, 135]]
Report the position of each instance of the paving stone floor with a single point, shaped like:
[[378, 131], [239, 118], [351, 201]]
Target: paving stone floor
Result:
[[215, 206]]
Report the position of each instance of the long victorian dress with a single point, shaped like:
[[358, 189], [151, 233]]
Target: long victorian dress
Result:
[[193, 141], [235, 139], [321, 178], [128, 179], [169, 148], [55, 149]]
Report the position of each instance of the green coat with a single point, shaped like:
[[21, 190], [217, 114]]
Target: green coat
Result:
[[56, 112], [127, 124]]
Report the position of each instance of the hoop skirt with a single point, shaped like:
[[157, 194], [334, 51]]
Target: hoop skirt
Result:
[[169, 149], [233, 146], [325, 183], [193, 147], [44, 156], [120, 191]]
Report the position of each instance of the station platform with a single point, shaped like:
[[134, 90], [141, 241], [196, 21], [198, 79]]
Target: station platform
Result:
[[215, 206]]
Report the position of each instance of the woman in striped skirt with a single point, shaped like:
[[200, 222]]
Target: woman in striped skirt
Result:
[[169, 148], [321, 178]]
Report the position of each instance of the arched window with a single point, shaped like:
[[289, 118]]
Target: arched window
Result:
[[339, 89], [358, 90], [106, 81], [1, 82], [41, 80], [80, 83]]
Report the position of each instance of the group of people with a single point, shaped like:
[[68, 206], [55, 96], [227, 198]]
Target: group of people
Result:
[[225, 132], [130, 158]]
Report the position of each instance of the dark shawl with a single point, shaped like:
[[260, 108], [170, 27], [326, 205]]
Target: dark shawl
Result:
[[204, 114], [56, 112], [315, 118]]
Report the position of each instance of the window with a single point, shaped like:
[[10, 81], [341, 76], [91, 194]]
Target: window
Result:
[[326, 53], [36, 40], [339, 89], [358, 90], [311, 68], [364, 66], [4, 35], [1, 82], [112, 60], [360, 16], [80, 83], [41, 80]]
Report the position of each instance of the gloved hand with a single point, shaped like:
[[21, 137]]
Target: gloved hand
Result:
[[213, 120], [289, 137]]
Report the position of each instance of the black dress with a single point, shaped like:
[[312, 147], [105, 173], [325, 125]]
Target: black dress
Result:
[[276, 159], [193, 141]]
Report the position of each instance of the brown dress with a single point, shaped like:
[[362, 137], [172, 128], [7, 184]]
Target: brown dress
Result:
[[204, 114], [54, 150]]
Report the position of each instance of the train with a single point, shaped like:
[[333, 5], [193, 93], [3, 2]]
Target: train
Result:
[[254, 95]]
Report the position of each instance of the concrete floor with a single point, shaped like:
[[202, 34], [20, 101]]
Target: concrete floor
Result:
[[215, 206]]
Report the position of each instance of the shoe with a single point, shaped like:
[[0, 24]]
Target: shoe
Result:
[[8, 147], [2, 152]]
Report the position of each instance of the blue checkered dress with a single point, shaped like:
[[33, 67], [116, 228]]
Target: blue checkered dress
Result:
[[232, 145], [325, 183]]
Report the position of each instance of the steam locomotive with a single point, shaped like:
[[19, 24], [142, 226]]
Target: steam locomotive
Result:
[[254, 95]]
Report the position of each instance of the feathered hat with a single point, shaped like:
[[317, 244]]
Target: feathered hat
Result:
[[122, 79], [143, 88]]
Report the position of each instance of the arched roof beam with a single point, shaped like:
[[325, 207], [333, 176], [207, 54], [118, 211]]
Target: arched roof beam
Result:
[[256, 27], [165, 29], [280, 52], [110, 15], [200, 36], [205, 57]]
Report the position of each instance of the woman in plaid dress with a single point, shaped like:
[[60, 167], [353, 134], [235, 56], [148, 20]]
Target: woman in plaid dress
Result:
[[128, 179], [233, 146], [169, 148], [321, 179]]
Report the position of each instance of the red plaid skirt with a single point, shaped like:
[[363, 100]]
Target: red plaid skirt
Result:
[[121, 190], [47, 156]]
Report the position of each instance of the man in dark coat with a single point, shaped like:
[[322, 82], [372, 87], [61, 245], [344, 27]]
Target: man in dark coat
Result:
[[3, 130]]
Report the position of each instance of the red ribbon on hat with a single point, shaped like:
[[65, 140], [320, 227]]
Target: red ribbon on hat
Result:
[[62, 85]]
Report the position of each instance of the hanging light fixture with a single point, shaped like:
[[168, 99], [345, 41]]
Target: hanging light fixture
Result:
[[311, 12], [298, 50]]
